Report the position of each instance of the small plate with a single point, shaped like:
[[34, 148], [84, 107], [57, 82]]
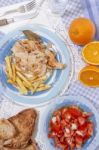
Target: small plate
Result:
[[59, 80], [59, 102]]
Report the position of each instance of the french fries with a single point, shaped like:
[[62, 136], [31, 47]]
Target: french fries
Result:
[[21, 82], [36, 85], [8, 65], [10, 81], [22, 77], [43, 88], [43, 78], [22, 88], [13, 72]]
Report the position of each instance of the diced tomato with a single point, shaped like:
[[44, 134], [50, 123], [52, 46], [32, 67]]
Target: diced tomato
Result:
[[87, 114], [63, 112], [56, 127], [80, 133], [82, 130], [62, 138], [57, 113], [58, 118], [75, 112], [70, 128], [51, 135], [78, 141], [60, 133], [90, 128], [72, 146], [81, 120], [67, 117], [59, 144], [67, 148], [89, 131], [67, 132], [71, 142], [63, 123], [74, 126], [83, 127]]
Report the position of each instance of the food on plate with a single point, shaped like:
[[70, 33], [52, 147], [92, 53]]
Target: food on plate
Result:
[[89, 76], [82, 31], [70, 127], [16, 132], [7, 130], [31, 63], [32, 36], [90, 53], [31, 146], [24, 122]]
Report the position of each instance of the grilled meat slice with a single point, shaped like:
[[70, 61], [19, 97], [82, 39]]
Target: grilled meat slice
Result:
[[24, 122], [7, 130]]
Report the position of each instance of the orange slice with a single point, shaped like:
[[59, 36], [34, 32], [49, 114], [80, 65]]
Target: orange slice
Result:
[[90, 53], [89, 76]]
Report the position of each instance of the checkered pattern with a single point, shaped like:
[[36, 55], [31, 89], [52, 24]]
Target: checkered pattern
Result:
[[9, 2], [77, 88], [73, 9]]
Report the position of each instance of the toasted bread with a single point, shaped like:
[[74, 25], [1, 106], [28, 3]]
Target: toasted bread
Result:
[[24, 122], [31, 146], [7, 129]]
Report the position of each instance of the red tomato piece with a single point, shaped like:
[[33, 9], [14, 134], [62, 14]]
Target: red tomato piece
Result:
[[60, 133], [51, 135], [56, 127], [83, 127], [87, 114], [63, 123], [70, 142], [89, 131], [67, 148], [59, 144], [70, 128], [67, 132], [90, 128], [81, 120], [80, 133], [72, 146], [63, 112], [58, 118], [79, 141], [75, 112], [57, 113]]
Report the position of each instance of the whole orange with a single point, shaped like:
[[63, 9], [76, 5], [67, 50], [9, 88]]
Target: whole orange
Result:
[[82, 31]]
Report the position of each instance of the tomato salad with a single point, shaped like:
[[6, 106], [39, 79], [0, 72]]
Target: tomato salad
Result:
[[70, 127]]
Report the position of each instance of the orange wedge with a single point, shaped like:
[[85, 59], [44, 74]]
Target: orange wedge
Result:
[[89, 76], [90, 53]]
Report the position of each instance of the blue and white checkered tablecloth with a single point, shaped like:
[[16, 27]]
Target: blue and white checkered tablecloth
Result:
[[9, 2]]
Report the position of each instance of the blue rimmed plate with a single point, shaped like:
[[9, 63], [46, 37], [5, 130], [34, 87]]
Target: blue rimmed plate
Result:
[[60, 78], [59, 102]]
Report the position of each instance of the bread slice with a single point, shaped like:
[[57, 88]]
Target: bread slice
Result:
[[7, 130], [24, 122], [31, 146]]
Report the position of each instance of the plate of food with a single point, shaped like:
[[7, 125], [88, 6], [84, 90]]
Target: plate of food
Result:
[[35, 65], [71, 122]]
